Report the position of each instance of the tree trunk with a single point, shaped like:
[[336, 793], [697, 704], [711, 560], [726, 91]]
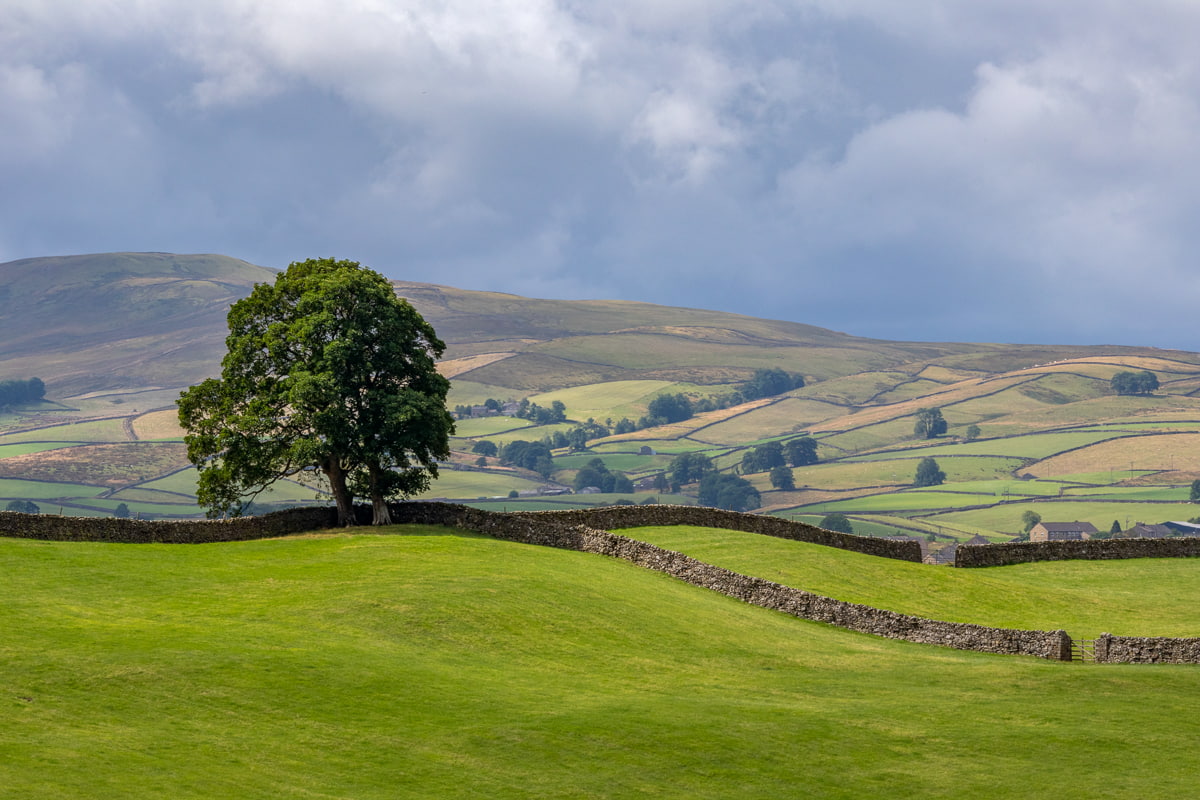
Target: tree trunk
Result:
[[379, 504], [341, 494]]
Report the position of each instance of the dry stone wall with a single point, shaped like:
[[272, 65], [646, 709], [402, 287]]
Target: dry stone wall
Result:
[[1146, 650], [131, 531], [555, 529], [998, 555]]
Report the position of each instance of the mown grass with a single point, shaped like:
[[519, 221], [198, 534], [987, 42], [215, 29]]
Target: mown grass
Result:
[[434, 664], [1136, 597]]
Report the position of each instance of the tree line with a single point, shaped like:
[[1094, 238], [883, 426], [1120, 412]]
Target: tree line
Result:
[[21, 392]]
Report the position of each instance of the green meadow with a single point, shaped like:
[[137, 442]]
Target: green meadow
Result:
[[433, 663]]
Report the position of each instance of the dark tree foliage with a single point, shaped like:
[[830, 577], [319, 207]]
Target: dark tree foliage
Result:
[[578, 437], [533, 456], [670, 407], [802, 452], [557, 412], [661, 484], [721, 490], [1130, 383], [23, 506], [21, 392], [597, 474], [781, 478], [328, 370], [1194, 496], [763, 458], [122, 512], [929, 474], [689, 468], [837, 522], [929, 423], [770, 382], [972, 432], [624, 425], [485, 448], [1116, 527], [1029, 519]]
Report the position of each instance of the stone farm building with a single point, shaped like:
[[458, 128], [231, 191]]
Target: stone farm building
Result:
[[1061, 531]]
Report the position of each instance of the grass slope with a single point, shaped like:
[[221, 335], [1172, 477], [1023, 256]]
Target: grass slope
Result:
[[441, 664]]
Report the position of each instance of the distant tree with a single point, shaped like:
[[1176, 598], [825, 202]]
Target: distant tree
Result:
[[770, 382], [722, 490], [492, 404], [928, 473], [21, 392], [533, 456], [781, 478], [23, 506], [802, 452], [661, 484], [671, 407], [621, 483], [836, 522], [1130, 383], [1029, 519], [689, 467], [624, 425], [972, 432], [1195, 493], [930, 423], [763, 458], [481, 461], [513, 494], [485, 448], [1116, 527], [121, 511]]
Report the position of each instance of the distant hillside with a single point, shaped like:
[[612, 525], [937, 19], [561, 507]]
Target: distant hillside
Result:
[[122, 322], [118, 321]]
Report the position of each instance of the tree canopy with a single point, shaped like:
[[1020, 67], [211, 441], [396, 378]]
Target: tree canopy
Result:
[[836, 521], [327, 372], [802, 452], [929, 473], [670, 408], [722, 490], [1142, 382], [690, 467], [930, 423], [770, 382], [21, 392]]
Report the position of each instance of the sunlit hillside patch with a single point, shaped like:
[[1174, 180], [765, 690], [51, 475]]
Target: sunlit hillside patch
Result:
[[158, 425], [789, 415], [84, 432], [613, 399], [1151, 452], [908, 391], [454, 367], [488, 426], [107, 465], [1112, 409]]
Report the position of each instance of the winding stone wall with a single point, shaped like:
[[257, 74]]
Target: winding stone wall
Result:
[[554, 529], [998, 555]]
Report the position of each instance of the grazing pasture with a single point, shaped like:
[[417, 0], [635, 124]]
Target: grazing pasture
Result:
[[436, 663]]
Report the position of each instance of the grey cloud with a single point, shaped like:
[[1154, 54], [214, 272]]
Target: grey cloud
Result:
[[992, 170]]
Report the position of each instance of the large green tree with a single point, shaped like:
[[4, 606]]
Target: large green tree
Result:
[[328, 371]]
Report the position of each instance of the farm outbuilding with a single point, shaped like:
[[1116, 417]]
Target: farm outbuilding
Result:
[[1061, 531]]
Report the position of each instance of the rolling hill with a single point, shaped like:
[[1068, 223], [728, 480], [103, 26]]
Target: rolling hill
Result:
[[1031, 427]]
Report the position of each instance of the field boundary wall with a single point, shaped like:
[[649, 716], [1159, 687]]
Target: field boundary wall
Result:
[[1146, 650], [1006, 553]]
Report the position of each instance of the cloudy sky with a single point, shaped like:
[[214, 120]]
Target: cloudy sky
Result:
[[992, 170]]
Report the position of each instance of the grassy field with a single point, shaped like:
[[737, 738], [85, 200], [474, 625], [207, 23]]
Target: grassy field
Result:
[[436, 664], [1135, 597]]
